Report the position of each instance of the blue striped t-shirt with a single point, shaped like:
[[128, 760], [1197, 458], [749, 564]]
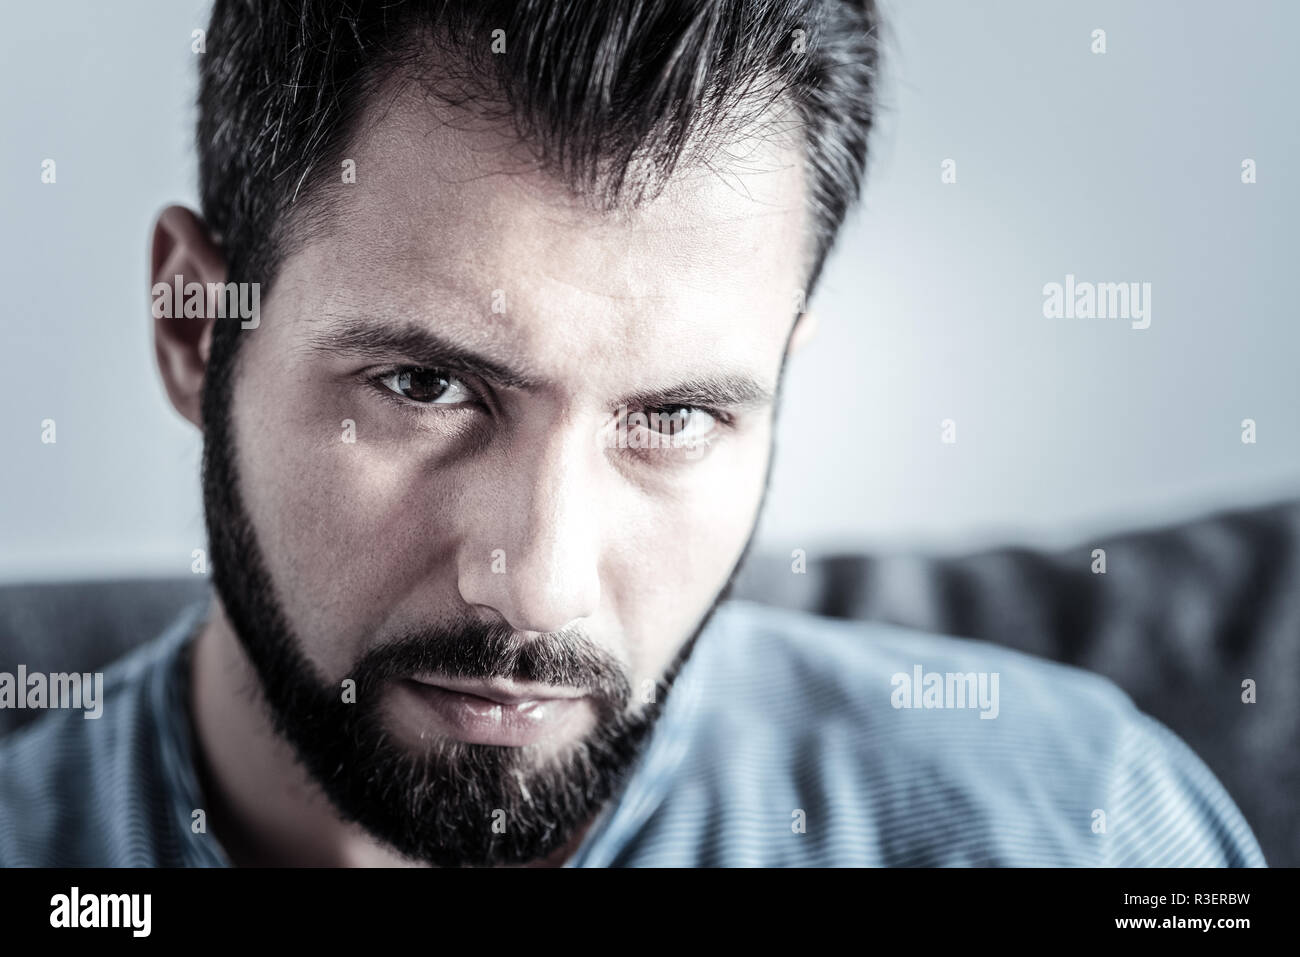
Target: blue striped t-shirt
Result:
[[788, 740]]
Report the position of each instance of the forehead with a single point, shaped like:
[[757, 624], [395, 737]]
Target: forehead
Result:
[[451, 220]]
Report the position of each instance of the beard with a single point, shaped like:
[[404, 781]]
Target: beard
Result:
[[450, 803]]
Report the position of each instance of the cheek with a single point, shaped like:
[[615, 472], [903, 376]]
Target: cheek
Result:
[[346, 527], [670, 560]]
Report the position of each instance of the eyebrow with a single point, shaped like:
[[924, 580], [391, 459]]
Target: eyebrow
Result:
[[426, 348], [420, 346], [719, 391]]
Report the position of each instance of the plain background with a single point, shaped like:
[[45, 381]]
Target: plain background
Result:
[[1122, 167]]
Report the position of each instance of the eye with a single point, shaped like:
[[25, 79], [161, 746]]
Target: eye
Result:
[[683, 423], [670, 427], [427, 386]]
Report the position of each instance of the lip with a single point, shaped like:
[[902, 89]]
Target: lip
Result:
[[502, 714], [501, 691]]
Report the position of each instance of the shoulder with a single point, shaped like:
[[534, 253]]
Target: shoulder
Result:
[[79, 790], [816, 672], [862, 743]]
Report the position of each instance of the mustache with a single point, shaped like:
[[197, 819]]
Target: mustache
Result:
[[478, 650]]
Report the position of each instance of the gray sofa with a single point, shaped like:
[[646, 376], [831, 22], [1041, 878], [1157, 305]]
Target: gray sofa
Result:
[[1182, 616]]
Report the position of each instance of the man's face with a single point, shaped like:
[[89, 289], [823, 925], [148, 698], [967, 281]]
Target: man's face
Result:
[[497, 456]]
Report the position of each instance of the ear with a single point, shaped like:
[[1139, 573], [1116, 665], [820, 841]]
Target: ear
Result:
[[805, 327], [182, 247]]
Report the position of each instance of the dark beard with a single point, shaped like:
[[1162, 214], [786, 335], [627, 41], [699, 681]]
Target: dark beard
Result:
[[453, 804]]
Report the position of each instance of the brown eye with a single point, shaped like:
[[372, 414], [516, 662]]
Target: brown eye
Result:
[[428, 386], [682, 422]]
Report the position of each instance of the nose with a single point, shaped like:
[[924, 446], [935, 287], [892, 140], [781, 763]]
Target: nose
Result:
[[531, 552]]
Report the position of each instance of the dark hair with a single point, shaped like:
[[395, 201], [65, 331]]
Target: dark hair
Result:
[[596, 87]]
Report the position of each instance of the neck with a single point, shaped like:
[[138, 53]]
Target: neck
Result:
[[263, 807]]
